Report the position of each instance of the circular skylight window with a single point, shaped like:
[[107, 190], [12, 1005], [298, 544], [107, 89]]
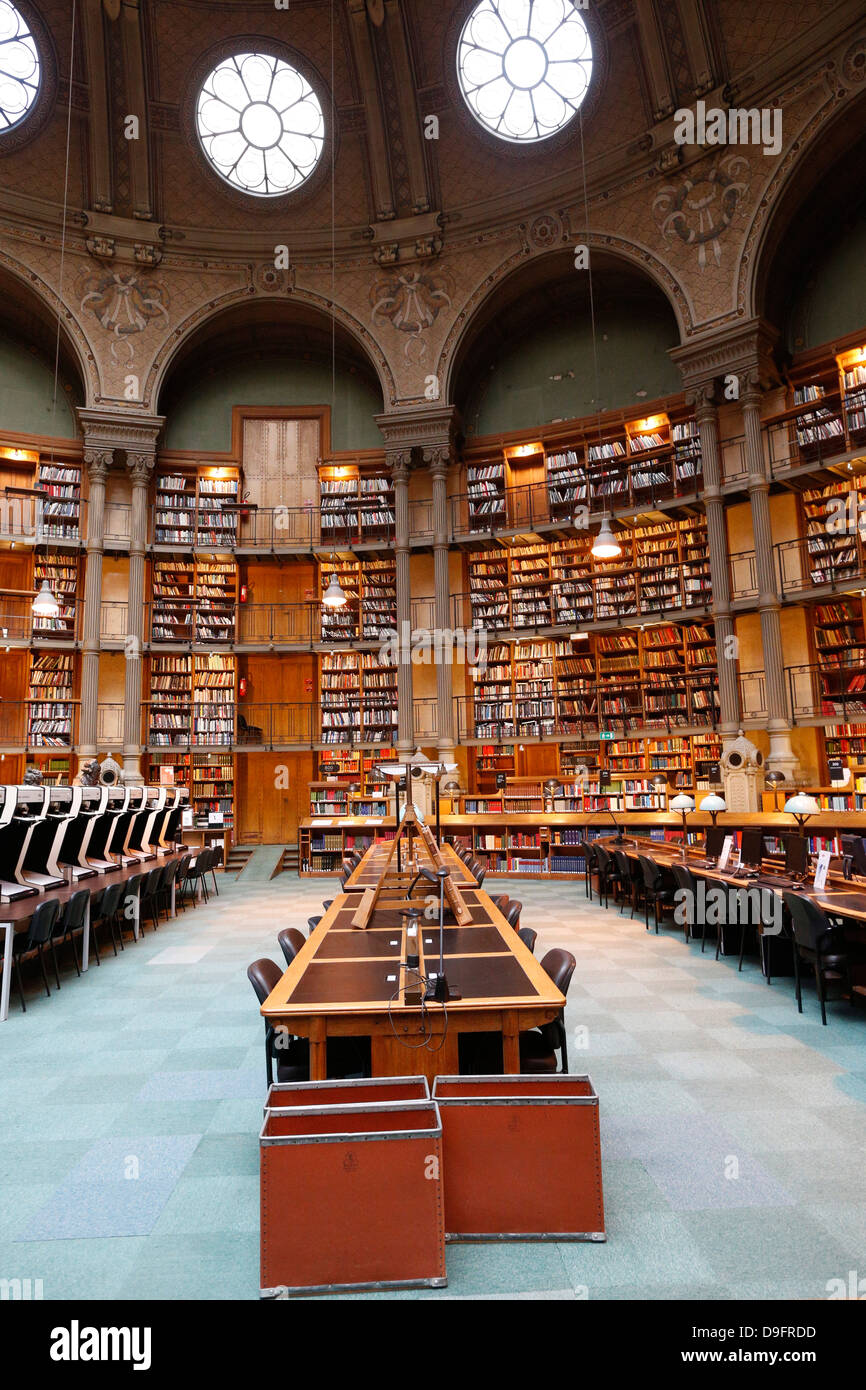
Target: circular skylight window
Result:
[[260, 124], [19, 67], [524, 66]]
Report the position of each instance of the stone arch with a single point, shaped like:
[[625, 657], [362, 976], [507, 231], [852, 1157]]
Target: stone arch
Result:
[[284, 308], [612, 249], [32, 305]]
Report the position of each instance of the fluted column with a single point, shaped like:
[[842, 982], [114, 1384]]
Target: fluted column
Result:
[[706, 415], [781, 757], [97, 460], [141, 467], [405, 706], [442, 646]]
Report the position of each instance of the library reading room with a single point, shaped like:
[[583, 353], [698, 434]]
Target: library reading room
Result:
[[432, 653]]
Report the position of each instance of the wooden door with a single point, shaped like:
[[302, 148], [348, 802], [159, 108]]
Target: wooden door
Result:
[[267, 810]]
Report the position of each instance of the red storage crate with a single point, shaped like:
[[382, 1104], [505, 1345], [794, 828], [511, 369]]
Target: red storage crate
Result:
[[522, 1157], [373, 1090], [351, 1197]]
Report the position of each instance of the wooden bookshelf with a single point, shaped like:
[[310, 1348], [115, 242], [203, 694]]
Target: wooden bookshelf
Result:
[[852, 371], [214, 698], [61, 504], [378, 699], [51, 696], [170, 709], [488, 588], [486, 487], [341, 624], [566, 483], [173, 593], [212, 793], [217, 497], [175, 509], [216, 598], [197, 509], [62, 573], [378, 598], [356, 502]]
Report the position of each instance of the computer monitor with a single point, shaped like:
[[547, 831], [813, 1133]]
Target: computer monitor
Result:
[[855, 846], [752, 848], [715, 841], [796, 854]]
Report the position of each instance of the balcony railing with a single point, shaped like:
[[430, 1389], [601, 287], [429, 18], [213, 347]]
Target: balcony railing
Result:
[[803, 566], [744, 575], [655, 708], [39, 725], [835, 694], [753, 696], [535, 504], [632, 597]]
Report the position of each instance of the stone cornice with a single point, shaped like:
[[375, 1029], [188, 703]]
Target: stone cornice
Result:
[[428, 427], [744, 349], [105, 429]]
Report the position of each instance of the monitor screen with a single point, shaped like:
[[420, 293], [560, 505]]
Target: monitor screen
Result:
[[855, 845], [796, 854], [715, 841], [752, 848]]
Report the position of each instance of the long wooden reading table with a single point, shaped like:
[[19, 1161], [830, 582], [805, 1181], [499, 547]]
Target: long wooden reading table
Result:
[[352, 981]]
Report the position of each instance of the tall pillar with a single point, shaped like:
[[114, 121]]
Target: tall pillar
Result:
[[706, 415], [405, 705], [412, 434], [140, 466], [442, 647], [781, 757], [107, 431], [97, 460]]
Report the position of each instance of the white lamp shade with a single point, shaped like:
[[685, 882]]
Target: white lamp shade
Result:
[[801, 805], [682, 803], [714, 803], [606, 546], [333, 597], [45, 605]]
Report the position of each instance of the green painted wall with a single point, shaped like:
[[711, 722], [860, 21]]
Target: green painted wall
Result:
[[201, 416], [26, 391], [632, 356], [833, 300]]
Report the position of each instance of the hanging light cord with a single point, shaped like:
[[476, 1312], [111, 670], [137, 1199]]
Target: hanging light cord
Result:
[[62, 261], [592, 302], [63, 227]]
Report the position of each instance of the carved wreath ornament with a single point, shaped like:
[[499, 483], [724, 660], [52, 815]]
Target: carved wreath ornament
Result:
[[411, 303], [701, 207], [124, 305]]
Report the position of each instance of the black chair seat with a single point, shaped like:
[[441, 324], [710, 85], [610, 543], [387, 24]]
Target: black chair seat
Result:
[[536, 1055]]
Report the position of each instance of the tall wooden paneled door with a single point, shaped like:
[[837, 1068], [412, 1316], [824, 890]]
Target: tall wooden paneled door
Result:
[[268, 812]]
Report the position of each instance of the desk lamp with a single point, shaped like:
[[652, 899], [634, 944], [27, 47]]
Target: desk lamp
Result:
[[683, 804], [441, 993], [801, 807], [774, 779], [714, 804], [551, 787], [659, 785]]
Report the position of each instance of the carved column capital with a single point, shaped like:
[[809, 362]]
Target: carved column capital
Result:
[[400, 465], [140, 466], [98, 460]]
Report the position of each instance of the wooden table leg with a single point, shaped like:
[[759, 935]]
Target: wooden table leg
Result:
[[319, 1052], [510, 1043]]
